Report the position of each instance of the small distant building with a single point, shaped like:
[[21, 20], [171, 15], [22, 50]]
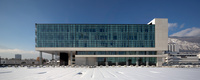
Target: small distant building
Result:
[[173, 47], [198, 55], [18, 56], [5, 61], [182, 59]]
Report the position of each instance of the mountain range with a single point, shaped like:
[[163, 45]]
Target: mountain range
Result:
[[186, 44]]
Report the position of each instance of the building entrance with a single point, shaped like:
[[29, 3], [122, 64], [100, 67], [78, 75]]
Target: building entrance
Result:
[[63, 59]]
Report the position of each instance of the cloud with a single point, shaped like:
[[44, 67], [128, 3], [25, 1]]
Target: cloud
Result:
[[171, 25], [182, 25], [188, 32]]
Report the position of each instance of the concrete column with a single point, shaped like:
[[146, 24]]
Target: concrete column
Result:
[[147, 58], [40, 58], [56, 54], [172, 47], [106, 63], [159, 62], [116, 61], [127, 61], [147, 63], [52, 62], [168, 47], [86, 61], [137, 63], [159, 59], [52, 56], [71, 58], [117, 53], [127, 53], [96, 63]]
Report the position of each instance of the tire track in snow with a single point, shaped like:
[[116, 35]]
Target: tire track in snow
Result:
[[93, 73], [117, 71], [62, 75], [72, 75], [35, 74], [107, 74], [112, 74], [102, 73], [76, 75], [84, 72], [87, 74], [141, 75]]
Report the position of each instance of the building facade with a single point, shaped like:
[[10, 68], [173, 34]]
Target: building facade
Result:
[[182, 59], [104, 44], [6, 62], [173, 47]]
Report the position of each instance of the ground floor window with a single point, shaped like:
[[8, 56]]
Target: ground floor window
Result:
[[121, 61], [116, 53], [111, 61], [127, 60], [101, 61]]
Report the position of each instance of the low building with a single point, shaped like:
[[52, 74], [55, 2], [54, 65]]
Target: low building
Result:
[[182, 59], [173, 47], [5, 61], [174, 57]]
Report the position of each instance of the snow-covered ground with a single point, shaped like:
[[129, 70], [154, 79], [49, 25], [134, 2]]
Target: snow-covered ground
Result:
[[111, 73]]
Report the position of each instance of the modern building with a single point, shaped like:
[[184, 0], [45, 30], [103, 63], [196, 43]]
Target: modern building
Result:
[[179, 58], [173, 47], [18, 56], [104, 44]]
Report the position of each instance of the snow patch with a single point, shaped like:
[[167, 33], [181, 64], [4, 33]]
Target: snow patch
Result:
[[154, 72], [120, 72]]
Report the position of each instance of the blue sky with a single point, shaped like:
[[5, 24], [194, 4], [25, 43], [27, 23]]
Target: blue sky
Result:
[[18, 18]]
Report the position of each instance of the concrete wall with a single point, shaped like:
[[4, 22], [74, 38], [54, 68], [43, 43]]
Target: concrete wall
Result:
[[161, 33], [80, 60], [160, 60], [91, 61], [85, 61]]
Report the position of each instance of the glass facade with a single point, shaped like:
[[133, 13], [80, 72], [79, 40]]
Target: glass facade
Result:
[[122, 60], [95, 35], [116, 53]]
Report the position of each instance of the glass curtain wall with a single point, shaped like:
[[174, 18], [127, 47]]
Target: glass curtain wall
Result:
[[122, 60], [95, 35]]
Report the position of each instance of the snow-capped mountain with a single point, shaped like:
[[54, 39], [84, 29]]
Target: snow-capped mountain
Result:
[[186, 44]]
